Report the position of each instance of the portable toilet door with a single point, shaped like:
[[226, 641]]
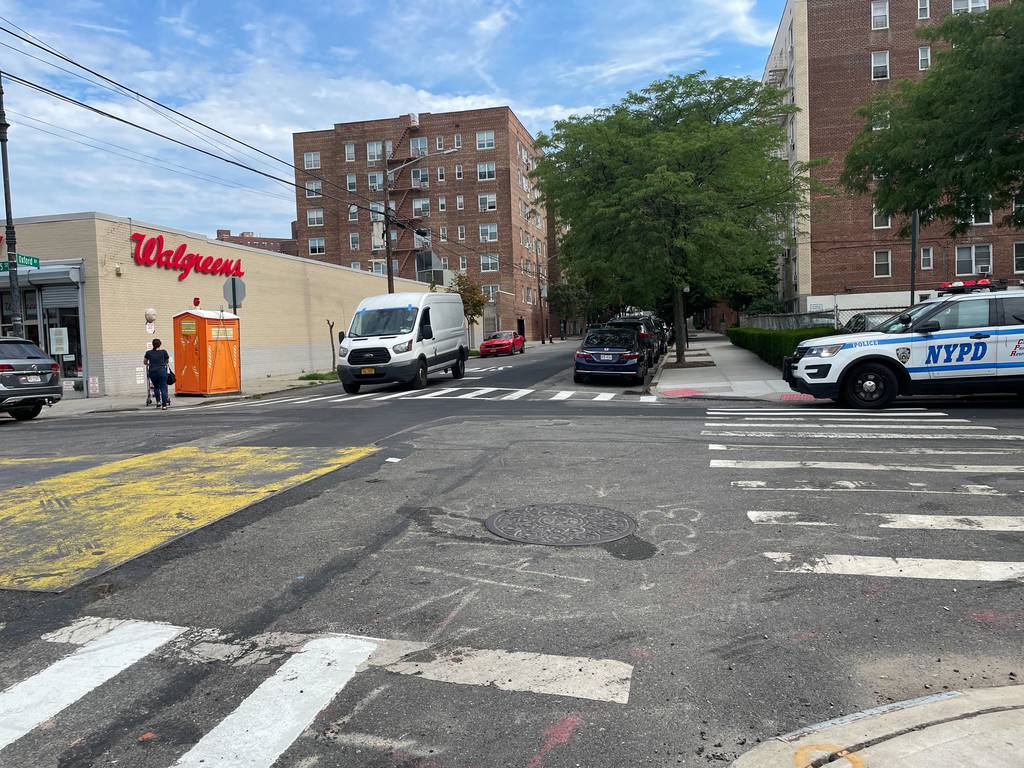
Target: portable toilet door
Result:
[[207, 353]]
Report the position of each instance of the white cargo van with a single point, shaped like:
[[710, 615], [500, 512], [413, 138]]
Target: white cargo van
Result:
[[403, 336]]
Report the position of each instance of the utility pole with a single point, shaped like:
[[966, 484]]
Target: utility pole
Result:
[[387, 222], [915, 225], [17, 321]]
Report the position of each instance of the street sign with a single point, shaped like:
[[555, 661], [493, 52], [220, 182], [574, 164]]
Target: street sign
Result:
[[23, 261], [234, 292]]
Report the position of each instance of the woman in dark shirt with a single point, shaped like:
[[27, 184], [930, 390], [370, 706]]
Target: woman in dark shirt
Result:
[[157, 361]]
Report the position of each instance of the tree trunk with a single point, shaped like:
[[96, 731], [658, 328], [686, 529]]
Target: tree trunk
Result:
[[334, 357], [679, 320]]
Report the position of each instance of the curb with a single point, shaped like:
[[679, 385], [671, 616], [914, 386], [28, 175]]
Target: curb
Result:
[[917, 730]]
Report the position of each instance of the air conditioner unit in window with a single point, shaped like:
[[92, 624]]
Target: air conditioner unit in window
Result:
[[414, 119]]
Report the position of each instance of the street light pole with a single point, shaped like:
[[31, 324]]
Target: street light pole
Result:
[[540, 304], [17, 320], [914, 227]]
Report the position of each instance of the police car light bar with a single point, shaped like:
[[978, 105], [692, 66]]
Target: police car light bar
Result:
[[971, 286]]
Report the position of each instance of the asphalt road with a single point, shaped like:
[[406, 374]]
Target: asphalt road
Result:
[[791, 563]]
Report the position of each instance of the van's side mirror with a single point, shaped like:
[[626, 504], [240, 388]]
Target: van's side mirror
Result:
[[426, 332], [341, 336], [932, 326]]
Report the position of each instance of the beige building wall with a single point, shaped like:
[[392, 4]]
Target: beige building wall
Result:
[[284, 315]]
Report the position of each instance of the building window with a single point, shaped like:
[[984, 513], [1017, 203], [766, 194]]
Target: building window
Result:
[[927, 259], [418, 146], [442, 204], [375, 180], [317, 246], [376, 211], [528, 295], [420, 178], [374, 151], [350, 154], [491, 291], [315, 217], [973, 259], [880, 65], [440, 173], [421, 207], [883, 263], [970, 6], [442, 234], [924, 57], [485, 171], [924, 9], [458, 141], [458, 170], [357, 266], [1018, 258], [488, 202], [460, 202], [353, 241], [314, 188], [881, 221], [353, 213], [421, 242], [311, 160], [439, 143], [485, 139], [488, 262], [350, 182], [444, 262], [462, 232], [880, 14], [488, 233], [464, 261], [982, 218]]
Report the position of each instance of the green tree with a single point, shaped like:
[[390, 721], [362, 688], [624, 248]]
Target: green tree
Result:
[[955, 139], [473, 298], [677, 185]]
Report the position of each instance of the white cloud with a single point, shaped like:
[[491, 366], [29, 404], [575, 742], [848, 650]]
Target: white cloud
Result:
[[180, 25]]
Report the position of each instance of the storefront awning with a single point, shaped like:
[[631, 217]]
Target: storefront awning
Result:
[[61, 273]]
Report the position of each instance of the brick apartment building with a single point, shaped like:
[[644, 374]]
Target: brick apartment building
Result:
[[276, 244], [472, 209], [833, 56]]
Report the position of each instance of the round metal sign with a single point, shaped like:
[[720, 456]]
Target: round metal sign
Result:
[[561, 525]]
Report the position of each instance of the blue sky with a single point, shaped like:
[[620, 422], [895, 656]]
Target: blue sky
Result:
[[261, 70]]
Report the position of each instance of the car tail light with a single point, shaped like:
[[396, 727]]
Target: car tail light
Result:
[[581, 355], [630, 356], [5, 368], [644, 335], [55, 368]]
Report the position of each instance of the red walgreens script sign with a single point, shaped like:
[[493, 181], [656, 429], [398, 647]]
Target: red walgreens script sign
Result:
[[149, 252]]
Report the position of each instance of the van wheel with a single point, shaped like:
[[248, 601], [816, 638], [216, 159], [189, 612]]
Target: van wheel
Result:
[[352, 388], [419, 381], [27, 413], [459, 369], [871, 385]]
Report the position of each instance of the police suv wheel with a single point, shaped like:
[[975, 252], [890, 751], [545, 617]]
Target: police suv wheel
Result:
[[871, 385]]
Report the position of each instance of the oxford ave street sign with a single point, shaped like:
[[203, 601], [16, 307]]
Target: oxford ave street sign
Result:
[[23, 261]]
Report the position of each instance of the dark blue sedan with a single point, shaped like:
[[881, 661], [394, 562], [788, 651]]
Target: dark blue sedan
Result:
[[611, 352]]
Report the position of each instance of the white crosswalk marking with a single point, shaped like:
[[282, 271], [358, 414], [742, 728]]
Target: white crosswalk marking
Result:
[[518, 394], [851, 435], [394, 395], [885, 452], [563, 395], [350, 398], [314, 399], [264, 725], [863, 466], [477, 393], [436, 393], [27, 704], [997, 523], [861, 425], [900, 567], [604, 396]]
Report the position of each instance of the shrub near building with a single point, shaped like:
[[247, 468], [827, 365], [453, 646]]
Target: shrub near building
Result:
[[772, 346]]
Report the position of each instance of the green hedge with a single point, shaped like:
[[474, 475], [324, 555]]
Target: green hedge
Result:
[[772, 346]]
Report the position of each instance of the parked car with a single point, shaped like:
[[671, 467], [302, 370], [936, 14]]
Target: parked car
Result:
[[649, 336], [29, 379], [503, 343], [612, 351], [402, 337]]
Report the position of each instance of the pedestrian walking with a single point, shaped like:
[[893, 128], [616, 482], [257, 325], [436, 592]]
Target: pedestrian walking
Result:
[[157, 364]]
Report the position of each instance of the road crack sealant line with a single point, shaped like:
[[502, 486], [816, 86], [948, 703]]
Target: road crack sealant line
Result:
[[853, 749]]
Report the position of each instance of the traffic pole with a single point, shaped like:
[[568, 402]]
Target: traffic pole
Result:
[[17, 320], [387, 224], [915, 225]]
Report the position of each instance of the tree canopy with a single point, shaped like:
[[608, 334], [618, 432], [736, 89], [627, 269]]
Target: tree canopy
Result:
[[955, 139], [473, 297], [679, 184]]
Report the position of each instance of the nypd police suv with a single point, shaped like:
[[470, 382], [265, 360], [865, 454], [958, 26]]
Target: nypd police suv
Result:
[[968, 339]]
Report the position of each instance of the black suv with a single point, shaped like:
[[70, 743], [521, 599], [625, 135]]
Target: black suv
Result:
[[650, 335], [29, 379]]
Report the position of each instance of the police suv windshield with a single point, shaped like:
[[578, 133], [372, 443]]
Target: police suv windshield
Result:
[[897, 325], [383, 322]]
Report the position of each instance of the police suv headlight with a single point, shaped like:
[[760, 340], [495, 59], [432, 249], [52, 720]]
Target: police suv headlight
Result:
[[830, 351], [405, 346]]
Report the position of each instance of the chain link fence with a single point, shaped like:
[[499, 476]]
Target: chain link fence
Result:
[[850, 320]]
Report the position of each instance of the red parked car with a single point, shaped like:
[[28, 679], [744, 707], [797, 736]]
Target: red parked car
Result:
[[503, 343]]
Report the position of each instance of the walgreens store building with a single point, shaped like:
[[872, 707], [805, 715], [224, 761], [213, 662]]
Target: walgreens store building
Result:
[[107, 285]]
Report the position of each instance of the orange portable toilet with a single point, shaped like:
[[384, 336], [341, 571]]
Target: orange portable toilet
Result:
[[206, 353]]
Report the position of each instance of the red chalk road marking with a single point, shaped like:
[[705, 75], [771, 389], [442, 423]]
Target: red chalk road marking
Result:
[[796, 396], [680, 392]]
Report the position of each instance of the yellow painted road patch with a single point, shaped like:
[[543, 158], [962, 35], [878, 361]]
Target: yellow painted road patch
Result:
[[57, 532]]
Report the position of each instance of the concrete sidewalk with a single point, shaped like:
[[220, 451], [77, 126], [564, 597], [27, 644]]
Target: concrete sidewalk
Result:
[[115, 403], [982, 728], [736, 373]]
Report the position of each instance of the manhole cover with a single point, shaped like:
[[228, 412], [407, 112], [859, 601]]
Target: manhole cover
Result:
[[561, 525]]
